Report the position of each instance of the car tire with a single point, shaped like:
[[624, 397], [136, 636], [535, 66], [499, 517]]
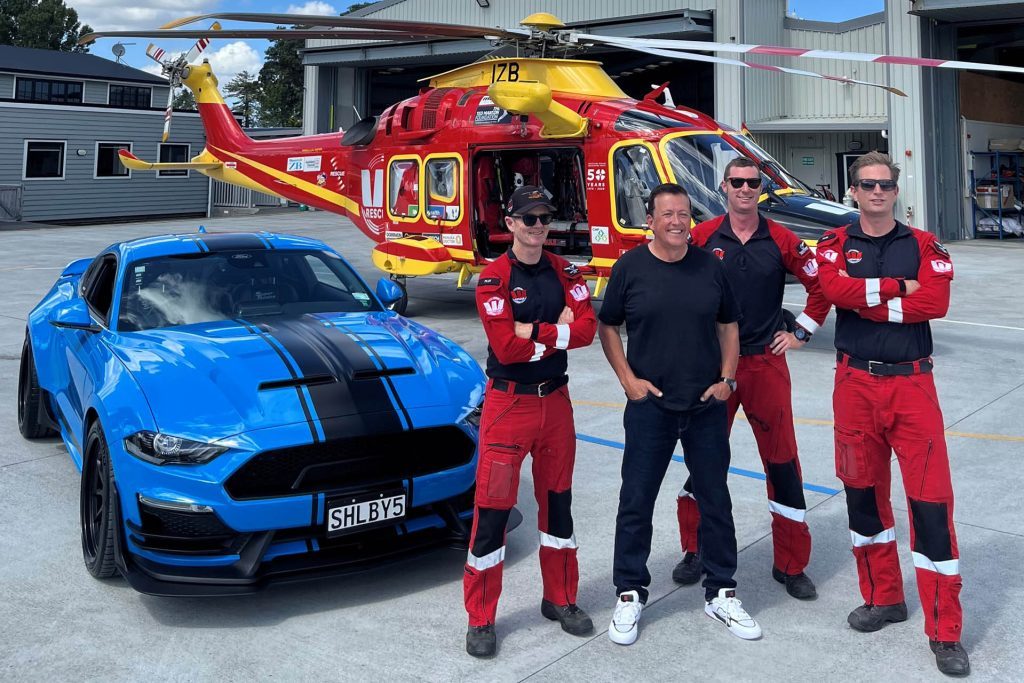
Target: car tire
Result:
[[33, 420], [98, 509]]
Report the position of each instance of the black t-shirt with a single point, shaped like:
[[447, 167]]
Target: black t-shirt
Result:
[[670, 311]]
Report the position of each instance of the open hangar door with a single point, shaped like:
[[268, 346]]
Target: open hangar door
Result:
[[975, 108]]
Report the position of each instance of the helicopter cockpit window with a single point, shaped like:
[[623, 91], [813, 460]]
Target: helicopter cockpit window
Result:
[[635, 176], [442, 183], [764, 157], [698, 162], [636, 121], [404, 188]]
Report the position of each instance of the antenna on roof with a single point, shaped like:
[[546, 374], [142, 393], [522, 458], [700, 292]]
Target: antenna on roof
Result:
[[118, 50]]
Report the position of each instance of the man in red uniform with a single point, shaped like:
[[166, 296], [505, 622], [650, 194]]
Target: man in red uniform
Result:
[[757, 254], [887, 280], [534, 306]]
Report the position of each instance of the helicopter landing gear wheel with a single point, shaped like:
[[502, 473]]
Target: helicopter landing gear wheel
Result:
[[403, 303]]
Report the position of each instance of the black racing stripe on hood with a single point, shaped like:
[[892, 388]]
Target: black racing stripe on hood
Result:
[[384, 376], [298, 389], [228, 242], [318, 350]]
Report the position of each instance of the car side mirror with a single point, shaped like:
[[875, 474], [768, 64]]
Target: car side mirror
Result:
[[74, 315], [388, 292]]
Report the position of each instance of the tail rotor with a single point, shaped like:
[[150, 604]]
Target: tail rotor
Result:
[[175, 69]]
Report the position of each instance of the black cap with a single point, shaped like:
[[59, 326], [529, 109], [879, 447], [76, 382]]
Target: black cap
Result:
[[528, 197]]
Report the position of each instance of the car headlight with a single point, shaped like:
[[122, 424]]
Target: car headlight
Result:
[[166, 449]]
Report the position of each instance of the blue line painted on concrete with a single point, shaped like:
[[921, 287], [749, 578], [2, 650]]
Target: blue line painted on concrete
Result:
[[816, 488]]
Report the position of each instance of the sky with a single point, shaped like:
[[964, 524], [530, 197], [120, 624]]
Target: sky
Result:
[[231, 57]]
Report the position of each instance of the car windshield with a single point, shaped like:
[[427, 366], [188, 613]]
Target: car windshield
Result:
[[698, 162], [199, 288]]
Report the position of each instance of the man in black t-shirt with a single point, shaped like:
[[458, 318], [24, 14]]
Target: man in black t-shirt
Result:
[[682, 323]]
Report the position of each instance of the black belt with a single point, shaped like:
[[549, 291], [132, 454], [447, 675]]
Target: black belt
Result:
[[542, 389], [880, 369], [754, 350]]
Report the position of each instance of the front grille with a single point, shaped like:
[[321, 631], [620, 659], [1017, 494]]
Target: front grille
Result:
[[351, 463], [182, 532]]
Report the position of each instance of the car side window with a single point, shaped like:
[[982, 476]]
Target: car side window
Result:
[[98, 286], [323, 274]]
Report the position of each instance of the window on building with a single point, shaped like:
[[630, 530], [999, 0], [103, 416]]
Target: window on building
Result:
[[174, 154], [47, 90], [44, 159], [108, 165], [130, 96]]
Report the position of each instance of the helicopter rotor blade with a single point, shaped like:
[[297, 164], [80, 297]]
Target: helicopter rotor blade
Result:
[[397, 25], [777, 51], [200, 45], [694, 57], [168, 112], [264, 33], [156, 54]]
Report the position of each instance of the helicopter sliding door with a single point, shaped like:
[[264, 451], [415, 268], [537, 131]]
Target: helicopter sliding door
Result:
[[559, 170]]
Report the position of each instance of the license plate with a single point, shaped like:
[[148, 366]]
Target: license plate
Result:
[[365, 511]]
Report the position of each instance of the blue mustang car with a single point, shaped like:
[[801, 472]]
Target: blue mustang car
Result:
[[244, 409]]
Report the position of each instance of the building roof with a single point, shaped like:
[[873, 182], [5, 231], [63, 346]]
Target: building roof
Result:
[[55, 63]]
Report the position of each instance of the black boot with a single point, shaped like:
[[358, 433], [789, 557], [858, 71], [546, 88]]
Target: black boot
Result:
[[573, 619], [481, 641], [951, 658], [873, 617], [689, 569], [799, 585]]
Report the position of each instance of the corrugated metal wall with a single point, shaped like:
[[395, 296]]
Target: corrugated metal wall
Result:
[[764, 93], [509, 13], [818, 98], [906, 119], [79, 195], [729, 79]]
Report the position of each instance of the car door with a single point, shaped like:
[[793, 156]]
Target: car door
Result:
[[84, 350]]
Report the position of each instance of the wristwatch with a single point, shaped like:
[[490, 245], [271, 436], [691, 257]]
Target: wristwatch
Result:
[[729, 381], [801, 334]]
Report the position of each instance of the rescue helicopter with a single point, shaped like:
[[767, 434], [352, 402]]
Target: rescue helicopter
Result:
[[428, 178]]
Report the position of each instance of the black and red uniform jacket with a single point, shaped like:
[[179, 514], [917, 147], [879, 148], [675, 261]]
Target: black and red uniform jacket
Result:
[[509, 292], [875, 318], [757, 274]]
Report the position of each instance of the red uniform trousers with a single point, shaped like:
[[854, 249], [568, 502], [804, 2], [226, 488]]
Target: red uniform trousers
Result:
[[764, 389], [875, 416], [511, 426]]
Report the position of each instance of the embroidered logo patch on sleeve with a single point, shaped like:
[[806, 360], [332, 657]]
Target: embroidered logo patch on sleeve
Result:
[[494, 306]]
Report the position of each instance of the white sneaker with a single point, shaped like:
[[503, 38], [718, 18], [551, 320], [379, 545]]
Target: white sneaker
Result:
[[728, 610], [625, 624]]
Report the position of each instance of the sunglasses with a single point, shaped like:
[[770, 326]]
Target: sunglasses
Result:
[[530, 220], [752, 183], [870, 185]]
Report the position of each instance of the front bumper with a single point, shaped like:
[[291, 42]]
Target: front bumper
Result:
[[299, 554], [187, 531]]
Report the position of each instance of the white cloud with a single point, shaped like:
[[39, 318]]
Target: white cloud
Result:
[[154, 69], [313, 7], [116, 15], [233, 58]]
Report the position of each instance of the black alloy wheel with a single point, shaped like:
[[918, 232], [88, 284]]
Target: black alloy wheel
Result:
[[32, 422], [98, 509]]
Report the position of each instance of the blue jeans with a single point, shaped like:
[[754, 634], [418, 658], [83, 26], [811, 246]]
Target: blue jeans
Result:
[[651, 435]]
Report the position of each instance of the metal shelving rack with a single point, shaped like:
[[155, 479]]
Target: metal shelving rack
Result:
[[1014, 160]]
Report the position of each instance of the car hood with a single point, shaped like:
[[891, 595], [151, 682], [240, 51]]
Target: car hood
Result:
[[807, 216], [223, 378]]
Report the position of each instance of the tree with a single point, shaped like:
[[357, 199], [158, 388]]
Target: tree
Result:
[[246, 89], [47, 24], [281, 81], [185, 100]]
